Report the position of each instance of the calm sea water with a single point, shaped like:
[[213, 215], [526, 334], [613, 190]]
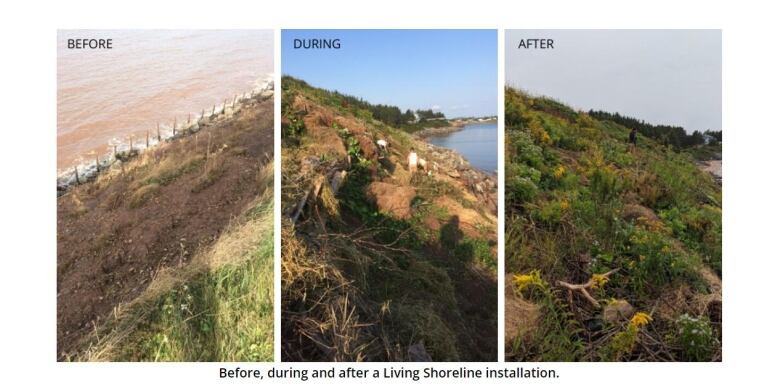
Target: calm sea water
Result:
[[150, 76], [476, 142]]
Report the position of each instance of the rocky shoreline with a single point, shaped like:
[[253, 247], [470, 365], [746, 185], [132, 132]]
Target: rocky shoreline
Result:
[[451, 163], [89, 171]]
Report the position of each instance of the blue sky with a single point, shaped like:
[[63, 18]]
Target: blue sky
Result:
[[454, 71]]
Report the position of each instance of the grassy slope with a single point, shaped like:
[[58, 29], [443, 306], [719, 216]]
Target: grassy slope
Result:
[[579, 203], [211, 301], [359, 284], [221, 309]]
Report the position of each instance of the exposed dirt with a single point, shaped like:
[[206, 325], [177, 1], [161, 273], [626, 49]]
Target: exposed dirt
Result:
[[521, 317], [114, 234], [681, 298], [392, 199], [633, 212], [324, 140], [470, 221]]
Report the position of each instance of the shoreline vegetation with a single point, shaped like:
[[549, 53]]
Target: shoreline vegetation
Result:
[[168, 254], [613, 251], [123, 151], [454, 125], [398, 265]]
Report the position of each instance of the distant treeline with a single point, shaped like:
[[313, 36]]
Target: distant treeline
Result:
[[666, 134], [388, 114]]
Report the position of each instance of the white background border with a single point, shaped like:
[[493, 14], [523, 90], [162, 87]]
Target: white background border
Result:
[[28, 206]]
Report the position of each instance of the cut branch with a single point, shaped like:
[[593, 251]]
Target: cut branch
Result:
[[314, 191], [583, 288]]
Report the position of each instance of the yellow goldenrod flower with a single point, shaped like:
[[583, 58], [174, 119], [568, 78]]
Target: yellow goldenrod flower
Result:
[[564, 204], [524, 280], [640, 319], [599, 280], [559, 171]]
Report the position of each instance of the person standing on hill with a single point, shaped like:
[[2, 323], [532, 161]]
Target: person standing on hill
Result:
[[412, 161], [632, 138]]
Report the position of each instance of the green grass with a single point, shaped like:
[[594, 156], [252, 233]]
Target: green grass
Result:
[[226, 315], [569, 179], [220, 310]]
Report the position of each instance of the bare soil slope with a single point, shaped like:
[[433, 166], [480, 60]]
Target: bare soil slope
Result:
[[155, 211]]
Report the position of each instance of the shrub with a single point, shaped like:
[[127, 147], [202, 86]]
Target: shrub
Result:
[[623, 343], [695, 338], [521, 148], [605, 184], [550, 212], [657, 262], [521, 183]]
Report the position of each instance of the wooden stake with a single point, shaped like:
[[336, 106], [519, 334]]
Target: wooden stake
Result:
[[97, 163], [147, 138], [158, 132], [202, 114], [76, 171], [174, 126], [214, 109], [189, 118], [208, 147]]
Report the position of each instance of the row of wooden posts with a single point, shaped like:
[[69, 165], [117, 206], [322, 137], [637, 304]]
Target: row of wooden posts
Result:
[[159, 137]]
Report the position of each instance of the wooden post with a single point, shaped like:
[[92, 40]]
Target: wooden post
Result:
[[202, 114], [224, 105], [158, 132], [214, 109], [208, 147], [189, 118], [174, 126], [147, 139], [76, 171], [97, 163]]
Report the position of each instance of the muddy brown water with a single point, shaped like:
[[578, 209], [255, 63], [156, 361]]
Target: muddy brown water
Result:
[[149, 77]]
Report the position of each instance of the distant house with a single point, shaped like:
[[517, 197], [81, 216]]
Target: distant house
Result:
[[709, 139]]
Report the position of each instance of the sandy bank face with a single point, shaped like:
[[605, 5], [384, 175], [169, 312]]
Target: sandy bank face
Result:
[[714, 167]]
